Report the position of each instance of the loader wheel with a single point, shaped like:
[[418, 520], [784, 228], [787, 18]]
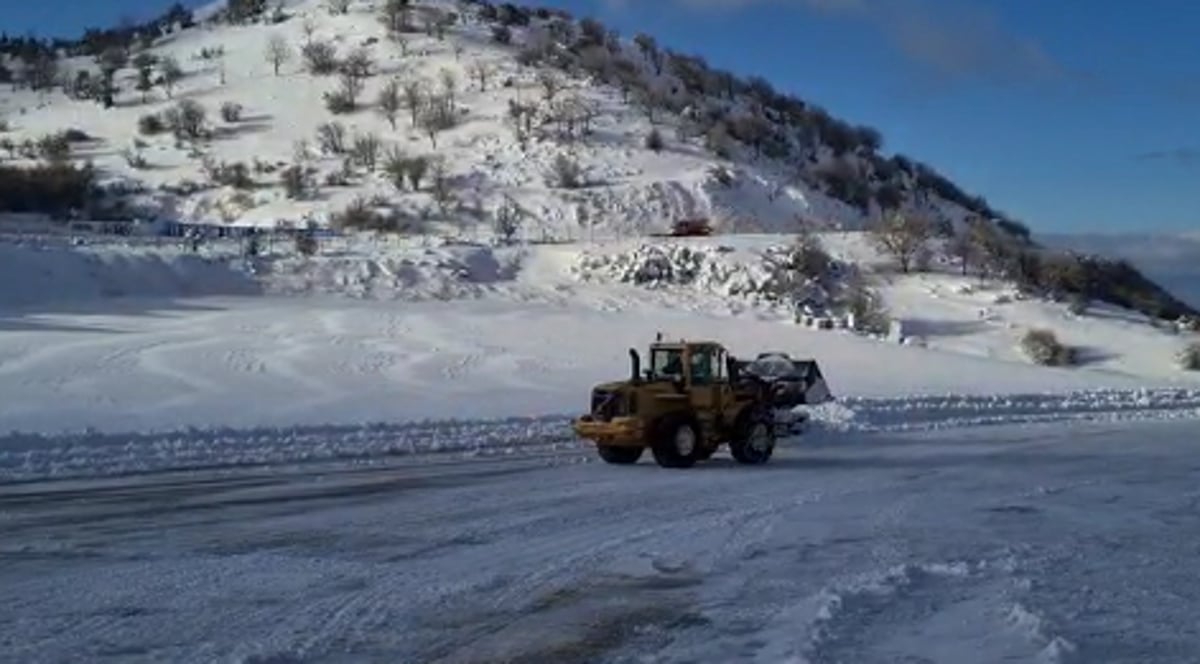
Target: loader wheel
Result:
[[619, 454], [676, 442], [754, 441]]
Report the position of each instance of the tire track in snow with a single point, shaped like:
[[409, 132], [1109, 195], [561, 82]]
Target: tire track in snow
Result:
[[27, 457]]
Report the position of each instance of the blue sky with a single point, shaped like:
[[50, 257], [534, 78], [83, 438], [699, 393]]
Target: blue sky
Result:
[[1071, 115]]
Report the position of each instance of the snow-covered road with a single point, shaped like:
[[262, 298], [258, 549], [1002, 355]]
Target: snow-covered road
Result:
[[1035, 542]]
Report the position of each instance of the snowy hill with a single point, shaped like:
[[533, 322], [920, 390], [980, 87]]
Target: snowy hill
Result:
[[588, 103], [520, 122], [1172, 260]]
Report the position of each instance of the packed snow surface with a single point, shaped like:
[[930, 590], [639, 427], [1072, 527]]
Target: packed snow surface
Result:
[[365, 455], [1033, 543]]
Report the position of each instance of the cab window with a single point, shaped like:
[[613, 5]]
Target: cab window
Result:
[[703, 371], [667, 363]]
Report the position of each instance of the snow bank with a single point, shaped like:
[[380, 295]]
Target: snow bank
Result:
[[28, 456], [762, 276], [33, 274], [443, 273], [36, 274], [922, 413]]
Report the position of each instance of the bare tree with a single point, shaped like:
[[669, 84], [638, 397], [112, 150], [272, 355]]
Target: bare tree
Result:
[[551, 84], [338, 6], [650, 51], [414, 98], [480, 71], [278, 52], [650, 98], [171, 73], [308, 26], [963, 247], [436, 116], [358, 64], [389, 101], [144, 62], [443, 191], [395, 17], [449, 82], [903, 237], [417, 168]]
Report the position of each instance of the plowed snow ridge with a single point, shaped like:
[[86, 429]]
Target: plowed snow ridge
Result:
[[29, 457]]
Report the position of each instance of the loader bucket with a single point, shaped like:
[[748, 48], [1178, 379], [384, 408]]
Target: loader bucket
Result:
[[793, 382]]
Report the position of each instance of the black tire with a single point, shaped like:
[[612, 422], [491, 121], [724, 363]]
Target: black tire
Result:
[[670, 446], [754, 441], [619, 454]]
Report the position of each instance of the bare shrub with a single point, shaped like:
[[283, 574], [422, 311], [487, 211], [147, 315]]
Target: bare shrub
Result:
[[54, 148], [297, 182], [320, 58], [331, 138], [808, 256], [135, 159], [231, 111], [508, 219], [306, 243], [416, 169], [343, 100], [654, 140], [1044, 348], [865, 306], [566, 173], [357, 214], [338, 6], [365, 152], [186, 119], [236, 174]]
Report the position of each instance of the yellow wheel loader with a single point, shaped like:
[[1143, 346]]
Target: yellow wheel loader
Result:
[[694, 397]]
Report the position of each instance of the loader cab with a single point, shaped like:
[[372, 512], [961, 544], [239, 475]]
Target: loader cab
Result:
[[694, 363]]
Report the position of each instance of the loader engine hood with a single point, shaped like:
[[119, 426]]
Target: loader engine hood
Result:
[[610, 400]]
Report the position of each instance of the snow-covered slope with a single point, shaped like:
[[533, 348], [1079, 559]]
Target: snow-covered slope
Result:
[[626, 188], [396, 332]]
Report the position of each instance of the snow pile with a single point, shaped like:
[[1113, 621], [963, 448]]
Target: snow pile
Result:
[[922, 413], [31, 274], [764, 277], [30, 456], [433, 273]]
